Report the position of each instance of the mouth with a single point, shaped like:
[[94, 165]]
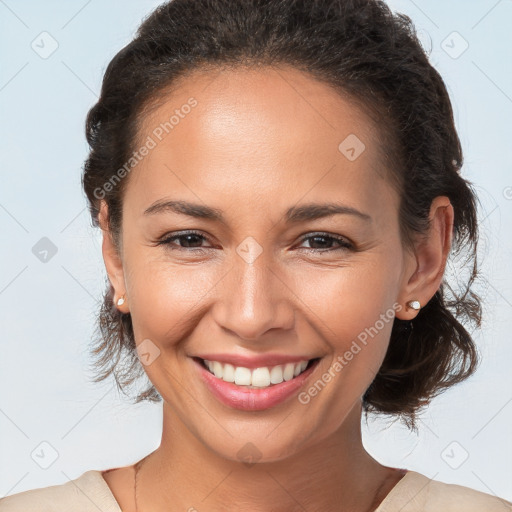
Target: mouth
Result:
[[257, 378], [254, 389]]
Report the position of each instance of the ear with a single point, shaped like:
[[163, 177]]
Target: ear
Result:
[[112, 259], [430, 255]]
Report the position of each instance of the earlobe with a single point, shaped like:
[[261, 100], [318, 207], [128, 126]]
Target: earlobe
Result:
[[112, 260], [431, 255]]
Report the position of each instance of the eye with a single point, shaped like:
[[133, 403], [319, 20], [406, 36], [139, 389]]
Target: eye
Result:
[[321, 238], [190, 238]]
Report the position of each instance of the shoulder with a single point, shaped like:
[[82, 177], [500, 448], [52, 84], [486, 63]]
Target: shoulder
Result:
[[416, 492], [459, 497], [87, 493]]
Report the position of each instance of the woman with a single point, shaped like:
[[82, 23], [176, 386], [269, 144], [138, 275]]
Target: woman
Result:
[[278, 186]]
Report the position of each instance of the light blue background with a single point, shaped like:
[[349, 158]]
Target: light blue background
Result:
[[47, 310]]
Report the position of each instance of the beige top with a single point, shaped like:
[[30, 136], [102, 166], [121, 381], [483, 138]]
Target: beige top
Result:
[[413, 493]]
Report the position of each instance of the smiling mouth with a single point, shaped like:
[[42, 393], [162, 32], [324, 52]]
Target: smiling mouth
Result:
[[256, 378]]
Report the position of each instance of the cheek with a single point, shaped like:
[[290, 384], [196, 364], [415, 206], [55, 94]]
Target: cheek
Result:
[[164, 297], [348, 301], [354, 313]]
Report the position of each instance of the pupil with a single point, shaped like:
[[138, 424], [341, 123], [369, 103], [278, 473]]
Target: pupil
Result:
[[192, 236], [321, 238]]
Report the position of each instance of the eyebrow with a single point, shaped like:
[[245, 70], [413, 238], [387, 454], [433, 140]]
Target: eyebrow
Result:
[[294, 214]]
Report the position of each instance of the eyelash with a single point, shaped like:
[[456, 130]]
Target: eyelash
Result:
[[344, 244]]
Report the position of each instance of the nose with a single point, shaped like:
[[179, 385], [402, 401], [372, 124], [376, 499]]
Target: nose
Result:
[[254, 298]]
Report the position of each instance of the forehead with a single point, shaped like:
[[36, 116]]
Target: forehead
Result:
[[241, 98], [256, 133]]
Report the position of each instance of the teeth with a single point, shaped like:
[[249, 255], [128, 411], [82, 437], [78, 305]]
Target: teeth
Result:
[[217, 369], [242, 376], [288, 371], [228, 373], [276, 375], [259, 377]]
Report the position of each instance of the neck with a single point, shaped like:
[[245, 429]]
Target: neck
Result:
[[334, 474]]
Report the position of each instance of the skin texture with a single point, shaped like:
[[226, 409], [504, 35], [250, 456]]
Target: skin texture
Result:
[[257, 143]]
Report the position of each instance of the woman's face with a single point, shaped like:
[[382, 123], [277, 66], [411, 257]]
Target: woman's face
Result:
[[268, 278]]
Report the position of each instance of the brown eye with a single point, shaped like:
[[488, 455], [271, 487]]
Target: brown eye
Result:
[[188, 240], [322, 242]]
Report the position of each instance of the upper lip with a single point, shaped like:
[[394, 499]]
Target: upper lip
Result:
[[255, 361]]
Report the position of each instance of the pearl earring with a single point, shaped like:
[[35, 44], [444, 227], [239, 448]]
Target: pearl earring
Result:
[[120, 301], [414, 304]]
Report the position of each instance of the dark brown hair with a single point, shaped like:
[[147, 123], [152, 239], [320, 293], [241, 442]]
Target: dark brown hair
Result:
[[368, 54]]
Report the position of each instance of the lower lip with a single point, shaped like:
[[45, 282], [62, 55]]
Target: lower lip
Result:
[[252, 399]]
